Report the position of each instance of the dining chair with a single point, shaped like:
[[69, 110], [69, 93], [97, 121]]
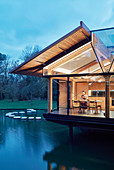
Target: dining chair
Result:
[[93, 106], [75, 104]]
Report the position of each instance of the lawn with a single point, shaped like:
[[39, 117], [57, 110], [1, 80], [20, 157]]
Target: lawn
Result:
[[37, 104]]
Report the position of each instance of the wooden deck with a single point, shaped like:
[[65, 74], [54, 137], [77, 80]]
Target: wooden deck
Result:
[[90, 113], [74, 119]]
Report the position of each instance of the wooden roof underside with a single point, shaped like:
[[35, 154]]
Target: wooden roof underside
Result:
[[73, 40]]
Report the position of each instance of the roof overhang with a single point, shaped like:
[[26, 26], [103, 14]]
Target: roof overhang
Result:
[[71, 41]]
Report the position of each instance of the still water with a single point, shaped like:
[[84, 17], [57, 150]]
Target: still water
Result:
[[42, 145]]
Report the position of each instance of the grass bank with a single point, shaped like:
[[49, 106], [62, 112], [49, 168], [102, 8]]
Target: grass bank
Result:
[[37, 104]]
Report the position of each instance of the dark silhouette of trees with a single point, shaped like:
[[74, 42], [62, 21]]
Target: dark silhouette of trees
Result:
[[18, 87]]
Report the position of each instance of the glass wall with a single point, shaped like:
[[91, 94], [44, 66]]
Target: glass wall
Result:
[[112, 96], [93, 88], [96, 56], [60, 95], [104, 47]]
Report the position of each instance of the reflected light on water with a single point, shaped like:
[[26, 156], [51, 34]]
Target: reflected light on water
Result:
[[44, 145]]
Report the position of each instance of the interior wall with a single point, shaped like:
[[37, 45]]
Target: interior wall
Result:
[[79, 87], [62, 94], [97, 86]]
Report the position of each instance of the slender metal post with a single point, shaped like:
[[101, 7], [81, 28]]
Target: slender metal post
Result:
[[107, 96], [58, 95], [71, 135], [49, 95], [68, 95]]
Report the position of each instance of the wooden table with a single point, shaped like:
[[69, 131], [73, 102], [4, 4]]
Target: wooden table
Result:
[[81, 105], [80, 102]]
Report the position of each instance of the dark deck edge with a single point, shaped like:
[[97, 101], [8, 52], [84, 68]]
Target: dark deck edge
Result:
[[82, 121]]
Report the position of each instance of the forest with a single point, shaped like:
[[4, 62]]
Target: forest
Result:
[[18, 87]]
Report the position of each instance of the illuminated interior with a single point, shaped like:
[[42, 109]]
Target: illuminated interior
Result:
[[93, 57]]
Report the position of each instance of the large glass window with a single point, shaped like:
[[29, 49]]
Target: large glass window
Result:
[[104, 46], [101, 93], [95, 56]]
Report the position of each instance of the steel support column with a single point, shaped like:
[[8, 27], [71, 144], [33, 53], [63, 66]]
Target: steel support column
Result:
[[49, 95], [58, 95], [68, 95], [107, 96]]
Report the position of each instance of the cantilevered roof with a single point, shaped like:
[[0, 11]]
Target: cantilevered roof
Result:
[[79, 52], [71, 41]]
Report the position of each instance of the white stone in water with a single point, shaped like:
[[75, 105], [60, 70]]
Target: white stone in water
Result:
[[11, 116], [17, 117], [14, 112], [8, 114], [31, 110], [21, 112], [30, 118], [38, 118], [24, 117]]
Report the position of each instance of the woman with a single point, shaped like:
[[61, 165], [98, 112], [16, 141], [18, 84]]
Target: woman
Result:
[[83, 102], [84, 96]]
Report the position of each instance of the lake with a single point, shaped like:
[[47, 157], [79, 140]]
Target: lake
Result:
[[42, 145]]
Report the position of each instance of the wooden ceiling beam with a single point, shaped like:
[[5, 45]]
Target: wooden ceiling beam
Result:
[[39, 67], [69, 57]]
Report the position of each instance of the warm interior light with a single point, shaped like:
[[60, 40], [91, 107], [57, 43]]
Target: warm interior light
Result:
[[100, 81], [62, 70], [69, 54], [89, 92], [95, 70]]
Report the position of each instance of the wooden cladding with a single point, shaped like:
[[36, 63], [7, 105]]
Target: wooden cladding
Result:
[[58, 48]]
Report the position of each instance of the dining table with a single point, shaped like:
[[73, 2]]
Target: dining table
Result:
[[84, 104]]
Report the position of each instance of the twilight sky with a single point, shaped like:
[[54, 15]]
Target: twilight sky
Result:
[[41, 22]]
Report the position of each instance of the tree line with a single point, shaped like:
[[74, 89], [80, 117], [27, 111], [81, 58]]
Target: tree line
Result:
[[19, 87]]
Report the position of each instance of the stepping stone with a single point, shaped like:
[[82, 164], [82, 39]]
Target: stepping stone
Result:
[[31, 118], [11, 116], [24, 118], [33, 110], [14, 112], [38, 118], [22, 112], [17, 117], [29, 111], [8, 114]]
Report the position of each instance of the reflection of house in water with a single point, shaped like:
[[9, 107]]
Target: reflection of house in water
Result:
[[82, 60], [86, 153], [83, 155]]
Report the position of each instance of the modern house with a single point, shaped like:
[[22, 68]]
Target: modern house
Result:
[[82, 60]]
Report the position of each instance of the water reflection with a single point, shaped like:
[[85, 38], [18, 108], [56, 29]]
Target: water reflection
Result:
[[44, 145], [87, 152], [24, 143]]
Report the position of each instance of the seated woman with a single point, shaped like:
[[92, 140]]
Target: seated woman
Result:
[[83, 102], [84, 96]]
